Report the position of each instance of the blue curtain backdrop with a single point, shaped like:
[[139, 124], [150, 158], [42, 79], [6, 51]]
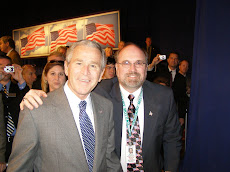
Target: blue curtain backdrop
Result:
[[208, 141]]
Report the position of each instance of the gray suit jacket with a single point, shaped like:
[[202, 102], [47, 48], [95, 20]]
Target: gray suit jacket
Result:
[[161, 124], [47, 138]]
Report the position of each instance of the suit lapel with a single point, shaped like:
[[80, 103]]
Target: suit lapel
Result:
[[68, 127], [98, 112], [117, 116], [150, 116]]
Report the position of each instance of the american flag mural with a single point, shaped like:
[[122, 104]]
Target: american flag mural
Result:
[[62, 36], [37, 38], [101, 33]]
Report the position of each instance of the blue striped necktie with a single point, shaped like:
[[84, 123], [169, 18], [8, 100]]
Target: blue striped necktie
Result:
[[87, 133]]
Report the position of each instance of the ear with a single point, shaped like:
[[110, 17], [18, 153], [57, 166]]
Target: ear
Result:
[[66, 68], [7, 44], [101, 75]]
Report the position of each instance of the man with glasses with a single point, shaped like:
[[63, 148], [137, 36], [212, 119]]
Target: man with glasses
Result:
[[145, 115]]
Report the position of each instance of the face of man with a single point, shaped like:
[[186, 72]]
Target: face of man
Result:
[[131, 77], [183, 68], [29, 75], [63, 51], [84, 70], [173, 61], [148, 42], [109, 71], [4, 46], [5, 76]]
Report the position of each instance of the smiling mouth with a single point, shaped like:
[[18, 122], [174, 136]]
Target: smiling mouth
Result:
[[84, 80]]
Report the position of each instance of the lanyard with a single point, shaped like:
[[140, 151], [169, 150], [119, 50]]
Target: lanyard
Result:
[[136, 113]]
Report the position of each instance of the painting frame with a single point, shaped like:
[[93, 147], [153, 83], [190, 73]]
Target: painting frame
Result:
[[41, 40]]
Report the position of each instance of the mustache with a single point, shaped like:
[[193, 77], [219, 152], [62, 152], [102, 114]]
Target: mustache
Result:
[[132, 73]]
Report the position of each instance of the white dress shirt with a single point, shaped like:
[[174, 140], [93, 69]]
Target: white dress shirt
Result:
[[74, 106], [173, 73], [125, 95]]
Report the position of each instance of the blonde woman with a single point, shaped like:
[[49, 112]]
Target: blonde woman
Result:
[[53, 76]]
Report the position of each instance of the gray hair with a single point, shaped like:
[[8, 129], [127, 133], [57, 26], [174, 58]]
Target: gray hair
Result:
[[86, 43]]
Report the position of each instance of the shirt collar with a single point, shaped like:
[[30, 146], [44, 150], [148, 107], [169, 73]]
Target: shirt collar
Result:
[[170, 70], [7, 86], [9, 52], [125, 93]]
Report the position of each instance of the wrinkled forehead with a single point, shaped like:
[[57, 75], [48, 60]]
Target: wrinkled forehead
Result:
[[131, 53]]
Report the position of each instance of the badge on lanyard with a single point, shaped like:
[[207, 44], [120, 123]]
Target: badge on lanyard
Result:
[[131, 154]]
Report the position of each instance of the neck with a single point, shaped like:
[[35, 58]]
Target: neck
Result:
[[8, 49], [4, 82], [182, 73], [172, 68]]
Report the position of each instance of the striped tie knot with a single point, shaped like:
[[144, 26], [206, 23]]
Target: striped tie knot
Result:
[[82, 105]]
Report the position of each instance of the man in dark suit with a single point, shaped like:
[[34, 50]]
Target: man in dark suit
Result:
[[145, 115], [7, 45], [73, 130], [158, 116], [166, 68], [12, 94], [2, 136]]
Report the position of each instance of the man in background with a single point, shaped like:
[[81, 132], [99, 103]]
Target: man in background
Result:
[[7, 46]]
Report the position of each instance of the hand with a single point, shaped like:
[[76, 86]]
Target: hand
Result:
[[32, 99], [17, 74], [2, 167], [155, 61]]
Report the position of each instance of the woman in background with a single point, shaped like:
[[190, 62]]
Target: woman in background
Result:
[[53, 76]]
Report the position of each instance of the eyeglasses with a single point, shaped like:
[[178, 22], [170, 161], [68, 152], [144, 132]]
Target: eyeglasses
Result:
[[137, 64], [56, 61]]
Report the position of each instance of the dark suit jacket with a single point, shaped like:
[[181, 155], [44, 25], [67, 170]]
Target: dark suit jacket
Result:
[[181, 98], [162, 128], [2, 132], [15, 57], [47, 138], [13, 102]]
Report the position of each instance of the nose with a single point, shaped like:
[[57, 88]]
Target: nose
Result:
[[132, 67], [85, 70], [35, 77]]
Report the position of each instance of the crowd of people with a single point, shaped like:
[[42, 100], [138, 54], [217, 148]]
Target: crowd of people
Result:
[[90, 106]]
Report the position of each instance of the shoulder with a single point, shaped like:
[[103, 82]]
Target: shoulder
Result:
[[152, 90], [100, 100], [105, 87], [14, 53]]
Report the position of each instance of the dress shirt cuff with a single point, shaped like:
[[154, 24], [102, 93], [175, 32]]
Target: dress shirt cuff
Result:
[[22, 86]]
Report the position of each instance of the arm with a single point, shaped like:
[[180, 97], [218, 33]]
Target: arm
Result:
[[172, 139], [155, 61], [25, 144], [113, 163]]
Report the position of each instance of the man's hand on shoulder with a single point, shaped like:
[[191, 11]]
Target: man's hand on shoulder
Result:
[[32, 99]]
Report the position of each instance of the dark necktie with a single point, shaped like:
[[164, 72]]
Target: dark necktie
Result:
[[135, 139], [171, 81], [87, 133]]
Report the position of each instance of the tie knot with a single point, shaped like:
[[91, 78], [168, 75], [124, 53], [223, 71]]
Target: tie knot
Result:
[[131, 97], [82, 105]]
